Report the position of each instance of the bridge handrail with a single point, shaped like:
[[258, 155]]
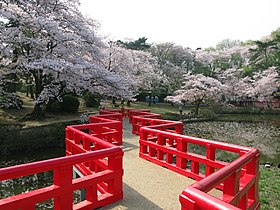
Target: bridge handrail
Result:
[[63, 184], [86, 136], [160, 141], [239, 190], [155, 129], [50, 164], [98, 160], [238, 179], [112, 116]]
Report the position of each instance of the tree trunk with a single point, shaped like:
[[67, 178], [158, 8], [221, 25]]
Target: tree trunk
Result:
[[150, 99], [12, 85], [31, 91], [27, 90], [197, 107], [113, 100], [38, 83], [37, 112]]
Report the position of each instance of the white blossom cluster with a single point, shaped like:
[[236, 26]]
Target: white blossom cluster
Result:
[[54, 44], [8, 100], [228, 83], [198, 88]]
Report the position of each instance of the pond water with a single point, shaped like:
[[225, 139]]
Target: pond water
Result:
[[263, 135]]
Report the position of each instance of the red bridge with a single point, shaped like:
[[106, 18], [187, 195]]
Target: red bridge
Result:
[[93, 152]]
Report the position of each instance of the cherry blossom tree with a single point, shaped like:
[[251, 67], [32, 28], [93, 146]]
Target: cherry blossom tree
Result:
[[174, 61], [227, 44], [235, 86], [210, 61], [198, 89], [265, 84], [57, 46], [139, 67]]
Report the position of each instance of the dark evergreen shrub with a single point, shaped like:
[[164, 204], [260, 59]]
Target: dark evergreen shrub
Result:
[[92, 100], [70, 104]]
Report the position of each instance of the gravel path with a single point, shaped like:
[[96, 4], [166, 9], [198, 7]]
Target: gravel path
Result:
[[146, 185]]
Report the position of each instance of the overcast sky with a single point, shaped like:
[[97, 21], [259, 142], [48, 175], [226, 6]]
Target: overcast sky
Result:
[[190, 23]]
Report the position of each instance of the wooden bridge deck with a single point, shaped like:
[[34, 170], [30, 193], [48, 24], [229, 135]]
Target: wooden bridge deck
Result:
[[146, 185]]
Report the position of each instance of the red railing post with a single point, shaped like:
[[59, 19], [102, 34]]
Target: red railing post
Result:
[[180, 128], [63, 179], [91, 193], [86, 144], [115, 163], [120, 133], [160, 141], [195, 167], [76, 138], [210, 154], [182, 147], [143, 148], [253, 168], [187, 203], [231, 186]]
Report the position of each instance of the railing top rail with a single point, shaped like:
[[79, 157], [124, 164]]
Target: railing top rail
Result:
[[196, 140], [86, 126], [91, 138], [211, 181], [110, 114], [102, 119], [51, 164], [210, 201], [146, 117]]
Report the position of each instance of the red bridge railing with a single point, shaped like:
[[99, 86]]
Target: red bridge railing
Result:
[[91, 150], [162, 143]]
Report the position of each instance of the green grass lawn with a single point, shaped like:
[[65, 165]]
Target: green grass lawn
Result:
[[159, 108], [270, 188]]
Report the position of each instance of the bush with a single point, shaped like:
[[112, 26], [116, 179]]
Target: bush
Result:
[[10, 100], [208, 113], [70, 104], [54, 106], [170, 116], [92, 100]]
